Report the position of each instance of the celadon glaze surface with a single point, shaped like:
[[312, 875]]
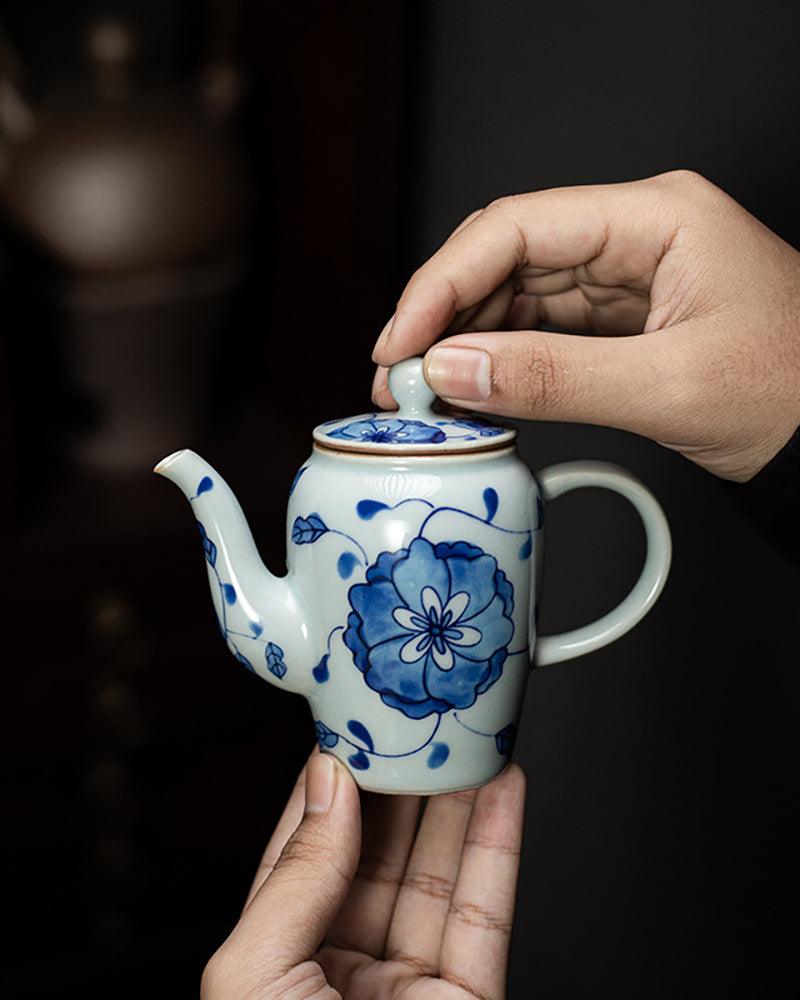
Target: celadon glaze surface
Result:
[[407, 617]]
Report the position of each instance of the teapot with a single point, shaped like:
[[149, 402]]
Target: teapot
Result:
[[408, 615]]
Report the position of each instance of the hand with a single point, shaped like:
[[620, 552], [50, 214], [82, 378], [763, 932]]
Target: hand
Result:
[[714, 293], [426, 912]]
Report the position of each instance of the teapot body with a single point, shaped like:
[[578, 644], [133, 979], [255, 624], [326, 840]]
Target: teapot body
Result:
[[408, 615], [419, 577]]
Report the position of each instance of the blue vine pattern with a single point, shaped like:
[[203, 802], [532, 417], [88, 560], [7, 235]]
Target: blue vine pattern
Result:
[[307, 530], [321, 673], [365, 748], [273, 654], [431, 629]]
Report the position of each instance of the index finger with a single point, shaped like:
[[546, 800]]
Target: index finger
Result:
[[618, 231]]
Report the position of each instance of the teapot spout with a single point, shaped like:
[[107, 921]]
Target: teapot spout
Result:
[[261, 617]]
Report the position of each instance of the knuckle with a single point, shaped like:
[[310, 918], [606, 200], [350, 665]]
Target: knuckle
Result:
[[416, 279], [687, 184], [307, 856], [300, 849], [430, 884], [374, 868], [536, 380], [475, 915], [472, 217], [505, 202], [491, 844], [415, 962]]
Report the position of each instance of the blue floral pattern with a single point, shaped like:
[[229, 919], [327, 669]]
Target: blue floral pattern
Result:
[[482, 430], [431, 626], [430, 629], [325, 737], [378, 430]]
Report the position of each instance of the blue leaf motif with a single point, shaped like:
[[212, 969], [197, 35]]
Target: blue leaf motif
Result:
[[345, 565], [205, 484], [526, 548], [274, 657], [359, 760], [243, 659], [479, 428], [321, 672], [230, 593], [209, 547], [505, 739], [306, 530], [367, 509], [296, 479], [325, 737], [491, 500], [256, 628], [360, 731], [438, 755]]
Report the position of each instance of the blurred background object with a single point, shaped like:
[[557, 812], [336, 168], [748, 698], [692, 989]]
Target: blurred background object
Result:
[[131, 200], [207, 212]]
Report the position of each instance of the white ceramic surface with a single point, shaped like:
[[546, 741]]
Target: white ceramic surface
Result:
[[408, 614]]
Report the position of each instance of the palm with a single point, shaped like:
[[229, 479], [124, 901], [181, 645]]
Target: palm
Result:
[[368, 977], [407, 901], [429, 911], [588, 298]]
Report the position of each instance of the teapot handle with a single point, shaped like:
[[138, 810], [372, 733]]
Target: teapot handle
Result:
[[559, 479]]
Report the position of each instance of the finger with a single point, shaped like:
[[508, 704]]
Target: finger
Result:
[[620, 230], [476, 936], [290, 913], [625, 382], [389, 825], [287, 824], [381, 396], [420, 913], [489, 314], [466, 222], [566, 310]]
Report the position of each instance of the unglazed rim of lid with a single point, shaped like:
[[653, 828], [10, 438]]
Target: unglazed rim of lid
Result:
[[414, 428]]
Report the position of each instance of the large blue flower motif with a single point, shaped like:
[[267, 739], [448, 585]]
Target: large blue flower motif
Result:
[[431, 626], [390, 431]]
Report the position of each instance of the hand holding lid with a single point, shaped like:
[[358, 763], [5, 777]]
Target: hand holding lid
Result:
[[414, 428]]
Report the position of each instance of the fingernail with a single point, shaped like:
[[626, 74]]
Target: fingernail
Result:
[[459, 372], [383, 339], [320, 783]]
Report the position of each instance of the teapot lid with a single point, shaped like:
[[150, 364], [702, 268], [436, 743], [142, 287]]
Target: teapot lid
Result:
[[415, 428]]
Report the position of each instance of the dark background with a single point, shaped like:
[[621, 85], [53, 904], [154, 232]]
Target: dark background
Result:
[[143, 770]]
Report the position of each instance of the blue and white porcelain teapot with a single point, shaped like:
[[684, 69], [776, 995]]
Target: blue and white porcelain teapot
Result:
[[407, 617]]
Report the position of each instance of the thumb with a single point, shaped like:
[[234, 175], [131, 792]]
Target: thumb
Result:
[[288, 917], [624, 382]]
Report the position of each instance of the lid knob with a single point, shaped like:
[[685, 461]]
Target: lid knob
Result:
[[413, 394]]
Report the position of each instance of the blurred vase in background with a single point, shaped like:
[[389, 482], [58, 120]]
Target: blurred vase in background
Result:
[[126, 205]]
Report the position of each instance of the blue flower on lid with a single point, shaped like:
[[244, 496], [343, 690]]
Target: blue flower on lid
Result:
[[379, 430]]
